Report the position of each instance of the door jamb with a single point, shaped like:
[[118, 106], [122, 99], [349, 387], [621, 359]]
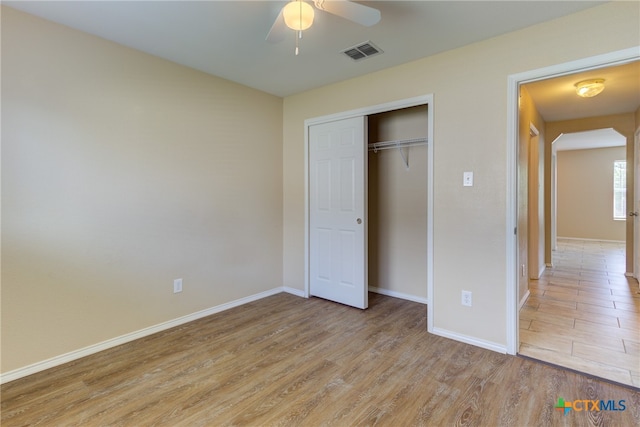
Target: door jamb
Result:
[[533, 270], [636, 201], [513, 85], [365, 111]]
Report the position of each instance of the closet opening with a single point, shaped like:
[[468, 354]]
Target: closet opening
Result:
[[397, 208]]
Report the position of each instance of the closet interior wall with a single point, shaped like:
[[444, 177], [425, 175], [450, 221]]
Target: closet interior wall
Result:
[[397, 205]]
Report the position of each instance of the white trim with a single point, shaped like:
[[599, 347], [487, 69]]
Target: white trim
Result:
[[636, 201], [380, 108], [470, 340], [542, 268], [554, 200], [400, 295], [524, 299], [512, 216], [141, 333], [307, 291], [430, 205], [293, 291], [513, 84], [591, 240], [374, 109]]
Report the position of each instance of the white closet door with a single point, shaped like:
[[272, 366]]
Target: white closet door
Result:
[[337, 211]]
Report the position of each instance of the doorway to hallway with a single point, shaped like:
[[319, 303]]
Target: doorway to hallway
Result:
[[543, 288]]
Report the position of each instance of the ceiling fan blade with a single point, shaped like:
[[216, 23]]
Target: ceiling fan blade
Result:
[[358, 13], [278, 30]]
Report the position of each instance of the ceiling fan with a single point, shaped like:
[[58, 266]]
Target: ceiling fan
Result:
[[298, 15]]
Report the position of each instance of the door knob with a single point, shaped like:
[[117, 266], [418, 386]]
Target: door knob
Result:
[[359, 221], [633, 213]]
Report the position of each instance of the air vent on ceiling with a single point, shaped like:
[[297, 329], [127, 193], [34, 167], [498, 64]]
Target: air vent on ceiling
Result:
[[362, 51]]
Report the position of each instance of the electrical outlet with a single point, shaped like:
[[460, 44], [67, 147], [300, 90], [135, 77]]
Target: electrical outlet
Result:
[[523, 270], [177, 286], [466, 298], [467, 179]]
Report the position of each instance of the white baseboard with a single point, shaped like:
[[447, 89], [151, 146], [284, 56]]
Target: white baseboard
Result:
[[470, 340], [524, 299], [400, 295], [591, 240], [542, 268], [293, 291], [104, 345]]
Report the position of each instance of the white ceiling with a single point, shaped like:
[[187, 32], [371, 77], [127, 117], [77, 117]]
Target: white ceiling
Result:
[[227, 38], [600, 138], [556, 98]]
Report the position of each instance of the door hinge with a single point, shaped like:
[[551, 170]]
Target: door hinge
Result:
[[515, 230]]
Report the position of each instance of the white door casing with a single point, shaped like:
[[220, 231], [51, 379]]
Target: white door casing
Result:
[[636, 206], [337, 211]]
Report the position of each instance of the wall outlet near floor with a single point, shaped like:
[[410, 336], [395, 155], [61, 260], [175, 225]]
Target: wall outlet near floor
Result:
[[467, 179], [523, 270], [177, 286], [466, 298]]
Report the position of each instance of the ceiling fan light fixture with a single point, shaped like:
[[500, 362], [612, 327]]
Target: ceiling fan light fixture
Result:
[[589, 88], [298, 15]]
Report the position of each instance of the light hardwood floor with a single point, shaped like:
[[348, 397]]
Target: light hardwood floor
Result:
[[584, 313], [289, 361]]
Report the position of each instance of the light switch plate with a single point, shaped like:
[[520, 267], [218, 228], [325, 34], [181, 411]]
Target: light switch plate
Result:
[[467, 179]]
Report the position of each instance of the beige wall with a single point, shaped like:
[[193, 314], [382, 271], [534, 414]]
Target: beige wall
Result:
[[120, 173], [585, 194], [397, 214], [622, 123], [470, 112]]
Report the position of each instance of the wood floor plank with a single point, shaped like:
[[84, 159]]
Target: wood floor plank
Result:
[[596, 330], [596, 310], [571, 335], [563, 304], [603, 291], [603, 355], [600, 301], [560, 318], [632, 293], [557, 343], [563, 281], [563, 291], [576, 314], [633, 307], [630, 324]]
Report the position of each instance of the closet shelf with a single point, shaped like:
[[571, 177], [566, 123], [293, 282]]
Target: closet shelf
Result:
[[399, 143]]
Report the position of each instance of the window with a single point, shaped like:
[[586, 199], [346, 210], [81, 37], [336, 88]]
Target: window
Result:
[[619, 189]]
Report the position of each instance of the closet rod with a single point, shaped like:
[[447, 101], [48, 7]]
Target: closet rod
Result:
[[384, 145]]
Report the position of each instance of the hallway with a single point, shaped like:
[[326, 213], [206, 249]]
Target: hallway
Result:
[[584, 314]]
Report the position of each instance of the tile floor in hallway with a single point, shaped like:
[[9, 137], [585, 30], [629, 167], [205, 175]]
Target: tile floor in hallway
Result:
[[584, 314]]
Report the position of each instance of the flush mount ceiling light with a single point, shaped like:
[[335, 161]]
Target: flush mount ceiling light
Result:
[[589, 88]]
